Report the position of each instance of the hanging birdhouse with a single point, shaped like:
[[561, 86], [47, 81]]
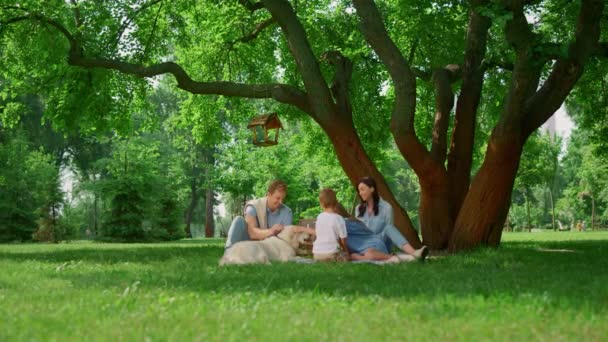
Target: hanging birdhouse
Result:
[[262, 126]]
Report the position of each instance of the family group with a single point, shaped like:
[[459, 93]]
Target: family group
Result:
[[369, 234]]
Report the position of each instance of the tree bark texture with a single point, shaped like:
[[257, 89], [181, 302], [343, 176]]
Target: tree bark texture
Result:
[[486, 205], [209, 197], [189, 214], [209, 222]]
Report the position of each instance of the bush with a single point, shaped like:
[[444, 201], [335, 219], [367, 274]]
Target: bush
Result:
[[29, 187], [124, 222]]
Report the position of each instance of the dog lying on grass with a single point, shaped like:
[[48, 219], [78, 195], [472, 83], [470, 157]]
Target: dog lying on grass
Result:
[[282, 247]]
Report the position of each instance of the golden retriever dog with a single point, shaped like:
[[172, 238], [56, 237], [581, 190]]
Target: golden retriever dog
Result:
[[281, 247]]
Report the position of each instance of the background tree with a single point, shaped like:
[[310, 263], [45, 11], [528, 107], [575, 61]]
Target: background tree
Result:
[[585, 194], [537, 171]]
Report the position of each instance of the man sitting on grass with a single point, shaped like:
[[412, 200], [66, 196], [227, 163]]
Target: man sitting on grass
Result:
[[264, 217]]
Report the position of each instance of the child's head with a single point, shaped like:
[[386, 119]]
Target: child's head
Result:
[[327, 198]]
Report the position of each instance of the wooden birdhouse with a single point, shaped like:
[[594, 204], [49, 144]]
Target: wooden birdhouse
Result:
[[262, 125]]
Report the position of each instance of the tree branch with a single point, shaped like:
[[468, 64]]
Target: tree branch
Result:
[[77, 15], [567, 70], [444, 102], [129, 20], [280, 92], [527, 67], [37, 17], [342, 75], [147, 44], [463, 134], [402, 121], [412, 54], [319, 95], [251, 6], [253, 34]]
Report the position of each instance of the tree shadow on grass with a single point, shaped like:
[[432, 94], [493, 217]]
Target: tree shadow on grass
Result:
[[571, 273]]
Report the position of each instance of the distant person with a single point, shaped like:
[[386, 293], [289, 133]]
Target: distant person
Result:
[[579, 226], [330, 243], [377, 215], [263, 217]]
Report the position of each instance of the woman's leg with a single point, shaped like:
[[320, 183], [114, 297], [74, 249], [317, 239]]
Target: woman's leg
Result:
[[374, 254], [399, 240], [371, 254]]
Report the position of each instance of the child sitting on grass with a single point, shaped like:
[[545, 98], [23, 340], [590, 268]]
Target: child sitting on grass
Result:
[[330, 230]]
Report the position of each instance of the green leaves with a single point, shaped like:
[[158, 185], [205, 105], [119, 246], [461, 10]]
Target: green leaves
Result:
[[10, 114]]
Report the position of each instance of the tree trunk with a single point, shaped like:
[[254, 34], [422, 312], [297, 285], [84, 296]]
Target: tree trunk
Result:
[[528, 224], [209, 222], [194, 197], [95, 213], [357, 164], [434, 212], [552, 210], [592, 213], [486, 205]]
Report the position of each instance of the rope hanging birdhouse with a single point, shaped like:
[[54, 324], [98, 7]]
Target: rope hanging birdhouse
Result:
[[262, 125]]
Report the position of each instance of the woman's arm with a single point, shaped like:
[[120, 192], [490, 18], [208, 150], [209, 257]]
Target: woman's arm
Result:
[[386, 212]]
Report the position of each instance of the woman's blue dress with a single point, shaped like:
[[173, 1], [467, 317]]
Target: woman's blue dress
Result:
[[360, 238]]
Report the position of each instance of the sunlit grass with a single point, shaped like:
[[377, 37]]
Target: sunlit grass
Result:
[[540, 286]]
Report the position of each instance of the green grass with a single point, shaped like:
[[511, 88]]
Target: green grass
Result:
[[536, 286]]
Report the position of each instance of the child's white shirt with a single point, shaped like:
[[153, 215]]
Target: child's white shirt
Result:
[[329, 228]]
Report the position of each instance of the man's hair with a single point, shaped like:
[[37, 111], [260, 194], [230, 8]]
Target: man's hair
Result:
[[327, 197], [275, 185]]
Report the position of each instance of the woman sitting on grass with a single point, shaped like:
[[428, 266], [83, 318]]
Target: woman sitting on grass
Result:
[[377, 215], [362, 242]]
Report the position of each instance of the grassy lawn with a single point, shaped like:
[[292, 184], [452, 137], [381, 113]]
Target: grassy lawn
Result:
[[538, 286]]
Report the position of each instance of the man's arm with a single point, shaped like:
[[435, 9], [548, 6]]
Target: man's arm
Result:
[[302, 229], [255, 233]]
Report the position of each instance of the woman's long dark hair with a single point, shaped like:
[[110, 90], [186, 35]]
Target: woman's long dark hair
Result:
[[370, 182]]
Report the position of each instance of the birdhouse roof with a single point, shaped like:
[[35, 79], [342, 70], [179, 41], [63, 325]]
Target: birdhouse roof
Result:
[[267, 120]]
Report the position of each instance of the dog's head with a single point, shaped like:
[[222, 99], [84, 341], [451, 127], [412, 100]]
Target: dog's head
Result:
[[293, 236]]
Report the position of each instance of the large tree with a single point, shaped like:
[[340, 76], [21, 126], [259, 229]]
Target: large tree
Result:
[[447, 44]]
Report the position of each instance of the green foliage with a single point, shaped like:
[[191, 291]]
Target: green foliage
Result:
[[10, 113], [588, 105], [586, 178], [30, 195], [50, 228], [142, 204], [531, 204]]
